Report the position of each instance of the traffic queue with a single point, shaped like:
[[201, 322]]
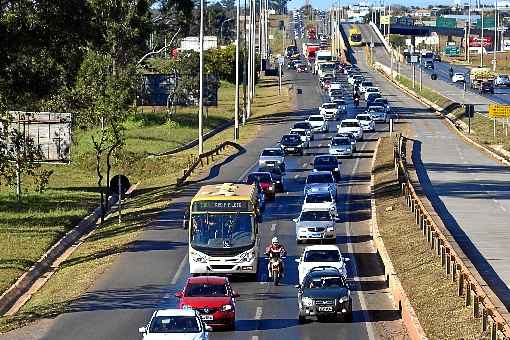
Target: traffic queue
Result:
[[207, 301]]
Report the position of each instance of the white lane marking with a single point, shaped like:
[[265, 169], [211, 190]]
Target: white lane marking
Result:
[[362, 300], [179, 271], [273, 227], [258, 313]]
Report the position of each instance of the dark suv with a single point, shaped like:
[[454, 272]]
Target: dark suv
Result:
[[292, 144], [324, 294], [487, 87]]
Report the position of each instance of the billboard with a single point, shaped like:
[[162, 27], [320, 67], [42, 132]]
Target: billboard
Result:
[[476, 41]]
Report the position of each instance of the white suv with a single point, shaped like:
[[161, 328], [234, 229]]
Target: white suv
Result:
[[318, 256], [351, 125], [318, 123]]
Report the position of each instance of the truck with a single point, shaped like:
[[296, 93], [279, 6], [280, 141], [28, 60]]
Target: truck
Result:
[[482, 75], [322, 56]]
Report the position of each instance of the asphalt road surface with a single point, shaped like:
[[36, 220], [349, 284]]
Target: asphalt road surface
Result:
[[469, 189], [146, 277]]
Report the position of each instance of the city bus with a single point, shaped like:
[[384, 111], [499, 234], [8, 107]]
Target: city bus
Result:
[[355, 38], [223, 230]]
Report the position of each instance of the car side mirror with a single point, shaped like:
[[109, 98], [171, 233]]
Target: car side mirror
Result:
[[179, 295], [208, 328], [297, 260], [142, 330]]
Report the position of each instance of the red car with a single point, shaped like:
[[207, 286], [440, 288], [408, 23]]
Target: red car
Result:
[[213, 298], [266, 183]]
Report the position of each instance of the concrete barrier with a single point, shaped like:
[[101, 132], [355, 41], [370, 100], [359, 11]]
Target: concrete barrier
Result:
[[386, 45], [400, 298]]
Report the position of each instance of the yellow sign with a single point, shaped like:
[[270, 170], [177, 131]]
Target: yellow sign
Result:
[[385, 19], [499, 111]]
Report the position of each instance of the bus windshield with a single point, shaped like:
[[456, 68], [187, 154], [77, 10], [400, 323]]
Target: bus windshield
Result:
[[356, 37], [222, 230]]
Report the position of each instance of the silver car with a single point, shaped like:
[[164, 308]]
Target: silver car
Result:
[[320, 181], [340, 147], [378, 113], [366, 121], [272, 157], [315, 225]]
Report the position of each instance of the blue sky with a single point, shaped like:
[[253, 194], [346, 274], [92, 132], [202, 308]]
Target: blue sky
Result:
[[323, 4]]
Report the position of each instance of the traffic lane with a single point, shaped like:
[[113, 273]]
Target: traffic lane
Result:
[[127, 294], [463, 184]]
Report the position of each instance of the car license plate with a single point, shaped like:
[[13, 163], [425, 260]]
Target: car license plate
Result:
[[316, 235], [206, 317], [325, 309]]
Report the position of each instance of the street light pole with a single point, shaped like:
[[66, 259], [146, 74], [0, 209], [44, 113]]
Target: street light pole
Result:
[[237, 65], [468, 32], [201, 96], [495, 35], [221, 28], [481, 42]]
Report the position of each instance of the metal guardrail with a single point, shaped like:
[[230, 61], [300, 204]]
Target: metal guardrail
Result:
[[493, 323], [206, 157]]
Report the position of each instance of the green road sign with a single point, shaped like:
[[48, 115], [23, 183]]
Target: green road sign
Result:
[[452, 51]]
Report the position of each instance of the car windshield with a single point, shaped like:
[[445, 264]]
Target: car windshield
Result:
[[258, 177], [291, 139], [325, 161], [367, 83], [318, 198], [311, 179], [315, 216], [349, 124], [174, 324], [381, 101], [324, 282], [340, 141], [316, 119], [320, 255], [375, 108], [205, 289], [364, 117], [373, 95], [329, 106], [272, 152], [372, 89], [303, 125], [221, 231]]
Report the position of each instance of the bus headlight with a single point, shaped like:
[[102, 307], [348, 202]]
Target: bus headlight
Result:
[[198, 257], [247, 256], [307, 302]]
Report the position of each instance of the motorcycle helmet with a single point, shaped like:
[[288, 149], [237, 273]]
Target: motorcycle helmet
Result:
[[274, 240]]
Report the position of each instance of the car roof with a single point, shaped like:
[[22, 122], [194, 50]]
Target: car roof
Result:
[[175, 312], [209, 279], [317, 173], [322, 247], [323, 271], [349, 120], [363, 114], [272, 149], [315, 116]]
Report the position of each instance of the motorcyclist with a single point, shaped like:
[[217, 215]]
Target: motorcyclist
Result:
[[275, 248], [356, 99], [451, 71]]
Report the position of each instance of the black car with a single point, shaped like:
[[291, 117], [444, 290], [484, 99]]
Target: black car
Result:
[[277, 175], [327, 163], [292, 144], [305, 126], [437, 57], [324, 294], [487, 87]]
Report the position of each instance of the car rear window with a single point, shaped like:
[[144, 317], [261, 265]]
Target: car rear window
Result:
[[319, 178], [174, 324], [316, 118], [341, 141], [205, 289], [349, 124], [325, 161], [329, 106], [291, 139], [321, 256], [258, 177], [272, 153], [303, 125], [364, 117], [318, 198]]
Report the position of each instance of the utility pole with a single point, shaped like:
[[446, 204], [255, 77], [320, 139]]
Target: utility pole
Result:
[[421, 77], [482, 47], [468, 34], [494, 60], [237, 65], [201, 96], [249, 62], [245, 65]]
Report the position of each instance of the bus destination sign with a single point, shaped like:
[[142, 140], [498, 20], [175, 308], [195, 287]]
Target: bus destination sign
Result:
[[221, 206]]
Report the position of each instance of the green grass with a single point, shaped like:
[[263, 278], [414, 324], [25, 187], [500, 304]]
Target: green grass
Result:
[[30, 228], [425, 92], [433, 296], [97, 253]]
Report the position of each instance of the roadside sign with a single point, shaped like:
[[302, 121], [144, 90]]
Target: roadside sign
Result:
[[499, 111], [281, 60], [385, 19], [452, 50], [414, 59]]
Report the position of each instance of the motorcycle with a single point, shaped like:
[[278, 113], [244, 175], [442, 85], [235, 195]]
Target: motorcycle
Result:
[[356, 102], [276, 266]]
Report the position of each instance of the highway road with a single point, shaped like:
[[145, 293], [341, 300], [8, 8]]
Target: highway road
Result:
[[146, 277], [469, 189], [443, 84]]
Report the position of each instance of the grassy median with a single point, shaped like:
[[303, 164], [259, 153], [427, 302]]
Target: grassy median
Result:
[[98, 252], [433, 296]]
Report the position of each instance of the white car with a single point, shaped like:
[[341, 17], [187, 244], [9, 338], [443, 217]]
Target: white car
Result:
[[178, 324], [320, 201], [272, 157], [318, 123], [366, 121], [340, 147], [364, 85], [321, 255], [369, 90], [305, 138], [315, 225], [458, 78], [351, 78], [329, 111], [351, 125], [378, 113]]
